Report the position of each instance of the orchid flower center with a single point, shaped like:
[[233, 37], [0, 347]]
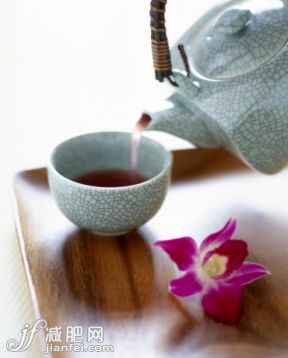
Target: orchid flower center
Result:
[[216, 265]]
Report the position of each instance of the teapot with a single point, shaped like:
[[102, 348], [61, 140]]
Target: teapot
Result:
[[230, 79]]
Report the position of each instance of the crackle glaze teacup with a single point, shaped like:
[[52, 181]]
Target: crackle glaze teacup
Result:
[[108, 210]]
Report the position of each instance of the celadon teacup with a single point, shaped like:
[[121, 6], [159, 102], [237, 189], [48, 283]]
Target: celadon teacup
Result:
[[108, 210]]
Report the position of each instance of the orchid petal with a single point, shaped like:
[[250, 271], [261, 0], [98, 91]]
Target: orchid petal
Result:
[[186, 285], [234, 250], [248, 272], [224, 303], [218, 238], [183, 251]]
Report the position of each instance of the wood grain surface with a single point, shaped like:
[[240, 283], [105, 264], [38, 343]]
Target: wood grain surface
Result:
[[120, 283]]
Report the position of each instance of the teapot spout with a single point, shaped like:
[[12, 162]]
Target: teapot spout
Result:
[[179, 119]]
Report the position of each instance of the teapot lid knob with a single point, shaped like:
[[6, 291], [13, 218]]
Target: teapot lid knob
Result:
[[233, 21]]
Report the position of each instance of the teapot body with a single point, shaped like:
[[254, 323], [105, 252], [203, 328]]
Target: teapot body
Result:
[[248, 115], [242, 106]]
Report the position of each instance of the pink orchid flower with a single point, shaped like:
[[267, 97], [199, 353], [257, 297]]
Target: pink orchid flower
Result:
[[216, 270]]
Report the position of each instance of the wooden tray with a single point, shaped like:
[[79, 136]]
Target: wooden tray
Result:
[[120, 283]]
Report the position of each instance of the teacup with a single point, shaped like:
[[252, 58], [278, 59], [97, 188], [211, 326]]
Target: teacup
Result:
[[108, 210]]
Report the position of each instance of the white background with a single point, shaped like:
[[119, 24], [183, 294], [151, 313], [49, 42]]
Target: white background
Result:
[[67, 67]]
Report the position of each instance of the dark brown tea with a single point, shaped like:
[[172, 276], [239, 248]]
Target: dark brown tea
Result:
[[116, 178], [110, 178]]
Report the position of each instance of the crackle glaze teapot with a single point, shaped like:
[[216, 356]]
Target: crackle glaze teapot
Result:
[[230, 73]]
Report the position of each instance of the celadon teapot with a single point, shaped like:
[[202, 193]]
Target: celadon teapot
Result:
[[230, 74]]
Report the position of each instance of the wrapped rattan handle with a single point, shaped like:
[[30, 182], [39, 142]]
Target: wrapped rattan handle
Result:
[[159, 41]]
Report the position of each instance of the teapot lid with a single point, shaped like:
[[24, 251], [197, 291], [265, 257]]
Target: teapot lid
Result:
[[238, 38]]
